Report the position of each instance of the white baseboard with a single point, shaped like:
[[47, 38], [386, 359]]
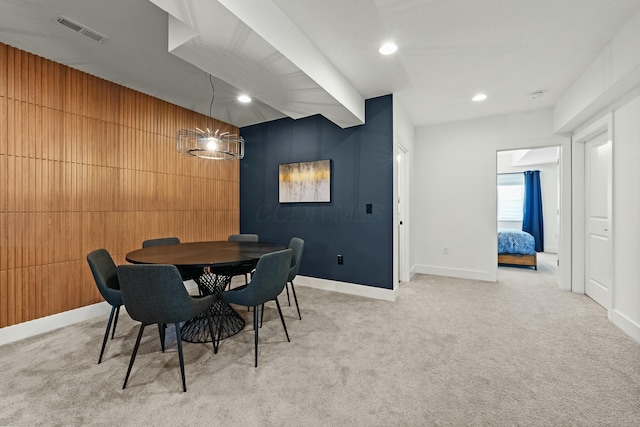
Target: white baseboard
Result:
[[49, 323], [347, 288], [630, 327], [456, 272]]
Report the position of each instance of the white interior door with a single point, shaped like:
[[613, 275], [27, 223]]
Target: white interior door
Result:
[[598, 257]]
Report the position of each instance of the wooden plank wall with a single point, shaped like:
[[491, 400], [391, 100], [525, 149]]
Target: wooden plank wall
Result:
[[87, 164]]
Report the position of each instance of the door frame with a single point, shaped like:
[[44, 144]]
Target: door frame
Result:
[[404, 244], [565, 205], [563, 275], [578, 226]]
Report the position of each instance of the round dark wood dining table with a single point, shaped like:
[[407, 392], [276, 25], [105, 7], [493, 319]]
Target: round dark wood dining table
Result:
[[211, 265]]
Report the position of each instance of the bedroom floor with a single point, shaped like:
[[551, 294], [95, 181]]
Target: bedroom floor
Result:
[[547, 266], [545, 276]]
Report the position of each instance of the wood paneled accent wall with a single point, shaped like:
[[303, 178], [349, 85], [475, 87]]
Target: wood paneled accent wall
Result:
[[87, 164]]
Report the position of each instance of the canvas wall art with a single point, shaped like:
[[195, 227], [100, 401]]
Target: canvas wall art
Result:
[[305, 182]]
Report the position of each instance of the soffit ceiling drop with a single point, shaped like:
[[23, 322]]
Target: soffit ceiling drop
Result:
[[272, 62], [536, 156]]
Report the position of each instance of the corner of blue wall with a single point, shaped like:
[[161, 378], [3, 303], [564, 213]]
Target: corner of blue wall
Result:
[[358, 221]]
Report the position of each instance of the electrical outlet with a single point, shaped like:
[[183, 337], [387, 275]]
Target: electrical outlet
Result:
[[340, 259], [445, 251]]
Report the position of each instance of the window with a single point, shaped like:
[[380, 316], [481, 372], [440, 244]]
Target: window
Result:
[[510, 196]]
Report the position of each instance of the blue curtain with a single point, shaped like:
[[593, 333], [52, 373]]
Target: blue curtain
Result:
[[532, 215]]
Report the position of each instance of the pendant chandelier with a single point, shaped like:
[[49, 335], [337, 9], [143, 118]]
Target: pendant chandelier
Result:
[[210, 144]]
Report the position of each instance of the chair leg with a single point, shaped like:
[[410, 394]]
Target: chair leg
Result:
[[133, 355], [246, 282], [282, 319], [286, 286], [211, 331], [293, 289], [115, 322], [161, 331], [180, 356], [261, 315], [255, 328], [221, 319], [106, 333]]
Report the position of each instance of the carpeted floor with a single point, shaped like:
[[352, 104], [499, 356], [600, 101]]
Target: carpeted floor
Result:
[[447, 352]]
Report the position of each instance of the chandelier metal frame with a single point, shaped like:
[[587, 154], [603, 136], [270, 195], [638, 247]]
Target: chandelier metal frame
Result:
[[208, 144]]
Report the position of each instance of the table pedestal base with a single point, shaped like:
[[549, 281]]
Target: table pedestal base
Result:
[[197, 330]]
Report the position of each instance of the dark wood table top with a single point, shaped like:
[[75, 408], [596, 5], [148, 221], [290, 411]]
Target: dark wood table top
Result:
[[203, 254]]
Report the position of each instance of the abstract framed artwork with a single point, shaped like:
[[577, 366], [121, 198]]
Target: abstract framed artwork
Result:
[[305, 182]]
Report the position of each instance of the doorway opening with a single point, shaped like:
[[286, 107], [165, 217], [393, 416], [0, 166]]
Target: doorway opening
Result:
[[511, 168]]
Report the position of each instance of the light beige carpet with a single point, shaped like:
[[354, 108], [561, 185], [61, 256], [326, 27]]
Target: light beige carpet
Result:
[[447, 352]]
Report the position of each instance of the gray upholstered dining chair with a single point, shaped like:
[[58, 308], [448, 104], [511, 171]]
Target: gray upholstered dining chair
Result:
[[267, 282], [163, 241], [243, 238], [155, 294], [243, 269], [104, 273], [296, 245], [186, 273]]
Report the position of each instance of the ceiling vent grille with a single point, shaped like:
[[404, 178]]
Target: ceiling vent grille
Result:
[[79, 28]]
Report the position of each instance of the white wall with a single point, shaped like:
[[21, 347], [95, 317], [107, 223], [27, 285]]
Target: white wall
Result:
[[625, 311], [549, 184], [454, 191]]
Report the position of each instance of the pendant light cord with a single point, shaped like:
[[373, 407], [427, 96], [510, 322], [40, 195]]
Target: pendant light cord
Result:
[[213, 95]]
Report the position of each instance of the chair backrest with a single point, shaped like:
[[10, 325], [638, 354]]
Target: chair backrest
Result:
[[270, 277], [163, 241], [296, 245], [243, 238], [154, 293], [104, 273]]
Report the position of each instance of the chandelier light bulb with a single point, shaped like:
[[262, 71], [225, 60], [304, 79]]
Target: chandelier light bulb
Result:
[[212, 143]]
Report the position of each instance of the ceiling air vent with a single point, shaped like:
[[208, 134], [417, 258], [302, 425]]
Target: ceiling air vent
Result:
[[79, 28]]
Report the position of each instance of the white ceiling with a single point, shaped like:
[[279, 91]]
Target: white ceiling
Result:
[[532, 157], [303, 57]]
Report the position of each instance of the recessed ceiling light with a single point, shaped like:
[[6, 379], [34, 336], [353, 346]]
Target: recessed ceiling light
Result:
[[244, 98], [388, 48], [479, 97]]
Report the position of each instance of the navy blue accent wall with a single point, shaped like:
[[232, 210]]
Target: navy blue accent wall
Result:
[[361, 174]]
